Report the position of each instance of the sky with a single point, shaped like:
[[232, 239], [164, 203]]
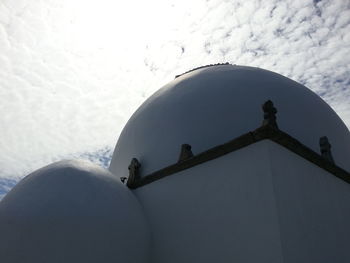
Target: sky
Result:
[[72, 72]]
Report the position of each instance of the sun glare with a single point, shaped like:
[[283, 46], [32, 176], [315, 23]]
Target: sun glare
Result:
[[114, 25]]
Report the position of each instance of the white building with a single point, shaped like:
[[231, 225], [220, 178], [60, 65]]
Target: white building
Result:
[[250, 190]]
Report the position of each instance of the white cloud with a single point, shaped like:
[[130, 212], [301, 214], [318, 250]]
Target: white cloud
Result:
[[73, 71]]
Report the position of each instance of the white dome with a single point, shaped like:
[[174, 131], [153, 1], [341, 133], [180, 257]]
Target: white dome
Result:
[[72, 211], [212, 105]]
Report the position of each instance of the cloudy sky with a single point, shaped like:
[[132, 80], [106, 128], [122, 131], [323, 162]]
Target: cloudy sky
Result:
[[73, 71]]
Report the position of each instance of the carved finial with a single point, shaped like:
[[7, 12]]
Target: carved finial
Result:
[[325, 148], [134, 175], [269, 114], [186, 152]]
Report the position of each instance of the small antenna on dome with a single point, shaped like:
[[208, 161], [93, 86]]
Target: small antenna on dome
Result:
[[185, 153], [325, 148], [134, 173], [269, 114]]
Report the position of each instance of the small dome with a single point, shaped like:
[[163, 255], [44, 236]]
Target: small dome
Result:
[[72, 211], [212, 105]]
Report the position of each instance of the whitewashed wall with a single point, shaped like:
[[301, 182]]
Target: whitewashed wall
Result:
[[259, 204], [313, 208]]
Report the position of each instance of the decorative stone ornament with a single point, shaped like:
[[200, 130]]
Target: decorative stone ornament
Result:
[[186, 152], [134, 175], [269, 114], [325, 148]]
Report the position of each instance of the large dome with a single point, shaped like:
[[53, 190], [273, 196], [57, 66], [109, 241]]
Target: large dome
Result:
[[212, 105], [72, 211]]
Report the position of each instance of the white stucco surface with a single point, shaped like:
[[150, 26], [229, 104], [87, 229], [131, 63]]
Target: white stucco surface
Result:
[[213, 105], [262, 203], [72, 211], [313, 209], [219, 211]]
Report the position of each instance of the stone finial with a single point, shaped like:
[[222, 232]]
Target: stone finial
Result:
[[134, 169], [186, 152], [269, 114], [325, 148]]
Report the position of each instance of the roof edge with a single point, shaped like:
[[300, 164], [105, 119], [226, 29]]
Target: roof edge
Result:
[[269, 132]]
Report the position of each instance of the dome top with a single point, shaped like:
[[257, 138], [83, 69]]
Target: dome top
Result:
[[72, 211], [211, 105]]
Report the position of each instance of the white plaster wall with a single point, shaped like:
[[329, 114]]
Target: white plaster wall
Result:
[[313, 208], [221, 211], [259, 204]]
